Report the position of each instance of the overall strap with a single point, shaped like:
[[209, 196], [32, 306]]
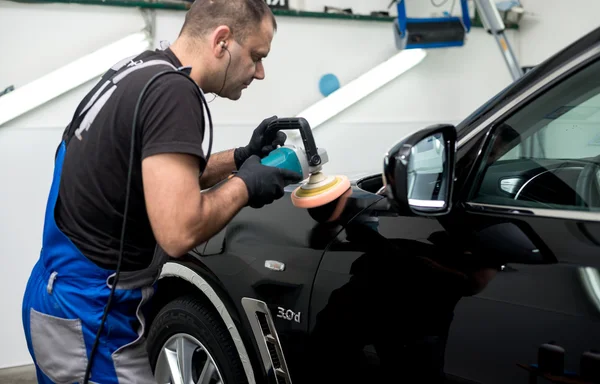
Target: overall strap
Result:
[[93, 102], [94, 93]]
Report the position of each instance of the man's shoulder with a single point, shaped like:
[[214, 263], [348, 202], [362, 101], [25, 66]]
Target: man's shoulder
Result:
[[147, 67], [172, 80], [143, 67]]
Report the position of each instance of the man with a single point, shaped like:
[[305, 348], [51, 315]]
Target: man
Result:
[[70, 335]]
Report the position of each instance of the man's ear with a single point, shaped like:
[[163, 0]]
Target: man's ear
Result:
[[220, 40]]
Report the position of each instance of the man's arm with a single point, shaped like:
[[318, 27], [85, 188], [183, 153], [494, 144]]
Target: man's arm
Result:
[[181, 216], [220, 165]]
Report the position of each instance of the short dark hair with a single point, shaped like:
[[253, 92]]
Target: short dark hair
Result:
[[243, 17]]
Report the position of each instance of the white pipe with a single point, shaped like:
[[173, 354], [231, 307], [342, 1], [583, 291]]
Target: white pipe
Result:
[[32, 95]]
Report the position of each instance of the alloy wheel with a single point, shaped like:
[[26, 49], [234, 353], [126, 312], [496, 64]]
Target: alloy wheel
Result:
[[184, 360]]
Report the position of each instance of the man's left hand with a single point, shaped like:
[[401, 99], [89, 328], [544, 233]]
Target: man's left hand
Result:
[[260, 144]]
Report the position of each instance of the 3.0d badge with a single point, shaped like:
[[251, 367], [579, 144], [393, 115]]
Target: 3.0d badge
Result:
[[288, 314]]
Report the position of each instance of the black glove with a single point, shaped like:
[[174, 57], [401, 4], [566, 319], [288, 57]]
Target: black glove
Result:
[[264, 183], [260, 144]]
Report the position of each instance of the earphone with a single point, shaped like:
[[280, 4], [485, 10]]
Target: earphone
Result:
[[222, 44]]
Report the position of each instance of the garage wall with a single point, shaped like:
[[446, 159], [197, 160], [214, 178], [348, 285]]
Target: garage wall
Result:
[[447, 86], [551, 25]]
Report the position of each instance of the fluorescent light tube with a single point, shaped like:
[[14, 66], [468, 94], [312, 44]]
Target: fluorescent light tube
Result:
[[30, 96], [362, 86]]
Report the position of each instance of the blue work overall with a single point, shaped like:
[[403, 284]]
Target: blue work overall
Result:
[[66, 294]]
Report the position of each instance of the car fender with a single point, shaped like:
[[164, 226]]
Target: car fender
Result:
[[181, 271]]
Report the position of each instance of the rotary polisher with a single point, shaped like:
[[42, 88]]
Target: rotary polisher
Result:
[[317, 189]]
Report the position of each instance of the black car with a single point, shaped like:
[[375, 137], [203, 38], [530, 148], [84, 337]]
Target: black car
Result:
[[472, 257]]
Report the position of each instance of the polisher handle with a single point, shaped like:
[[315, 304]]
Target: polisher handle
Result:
[[302, 125]]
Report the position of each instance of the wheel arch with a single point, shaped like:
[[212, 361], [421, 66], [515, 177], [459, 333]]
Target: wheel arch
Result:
[[182, 279]]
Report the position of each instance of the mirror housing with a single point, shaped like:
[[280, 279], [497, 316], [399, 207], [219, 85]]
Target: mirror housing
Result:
[[418, 172]]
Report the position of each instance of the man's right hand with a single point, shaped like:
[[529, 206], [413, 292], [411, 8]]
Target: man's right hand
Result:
[[265, 184]]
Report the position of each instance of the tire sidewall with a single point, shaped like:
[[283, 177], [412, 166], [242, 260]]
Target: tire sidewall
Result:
[[175, 318]]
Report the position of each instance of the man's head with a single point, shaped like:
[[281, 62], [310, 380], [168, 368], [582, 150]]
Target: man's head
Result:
[[225, 41]]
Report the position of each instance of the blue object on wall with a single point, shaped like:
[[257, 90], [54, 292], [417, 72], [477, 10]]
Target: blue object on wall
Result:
[[410, 33], [328, 84]]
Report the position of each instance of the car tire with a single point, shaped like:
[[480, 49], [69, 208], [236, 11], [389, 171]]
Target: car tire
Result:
[[188, 324]]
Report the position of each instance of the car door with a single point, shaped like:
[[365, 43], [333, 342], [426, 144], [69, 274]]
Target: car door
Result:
[[382, 299], [534, 201]]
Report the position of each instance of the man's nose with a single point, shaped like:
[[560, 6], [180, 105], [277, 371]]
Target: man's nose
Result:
[[260, 71]]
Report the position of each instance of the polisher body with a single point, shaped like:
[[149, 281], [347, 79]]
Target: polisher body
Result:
[[295, 159], [316, 189], [287, 157]]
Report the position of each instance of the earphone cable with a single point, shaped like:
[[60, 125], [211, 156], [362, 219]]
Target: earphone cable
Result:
[[225, 77]]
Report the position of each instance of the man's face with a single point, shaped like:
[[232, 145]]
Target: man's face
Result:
[[246, 60]]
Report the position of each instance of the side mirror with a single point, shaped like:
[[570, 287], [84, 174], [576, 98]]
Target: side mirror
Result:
[[419, 171]]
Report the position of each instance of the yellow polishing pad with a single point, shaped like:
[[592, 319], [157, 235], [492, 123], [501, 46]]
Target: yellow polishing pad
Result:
[[309, 197]]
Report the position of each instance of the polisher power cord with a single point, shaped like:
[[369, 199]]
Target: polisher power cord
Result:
[[127, 193]]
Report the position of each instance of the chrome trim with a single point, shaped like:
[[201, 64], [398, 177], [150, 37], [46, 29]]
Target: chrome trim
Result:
[[427, 203], [540, 174], [558, 72], [509, 184], [590, 278], [275, 265], [541, 212], [171, 269], [252, 306]]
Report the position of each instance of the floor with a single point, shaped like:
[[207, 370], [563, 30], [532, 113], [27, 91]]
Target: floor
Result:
[[18, 375]]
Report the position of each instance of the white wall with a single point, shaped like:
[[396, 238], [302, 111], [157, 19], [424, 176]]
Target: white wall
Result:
[[446, 87], [551, 25]]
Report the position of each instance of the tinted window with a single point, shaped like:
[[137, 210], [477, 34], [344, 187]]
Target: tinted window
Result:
[[547, 155]]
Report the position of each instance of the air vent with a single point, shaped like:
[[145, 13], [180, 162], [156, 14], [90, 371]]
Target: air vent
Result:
[[273, 353], [266, 337], [264, 325]]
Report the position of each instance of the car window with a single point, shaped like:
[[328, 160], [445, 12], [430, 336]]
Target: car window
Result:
[[547, 154]]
